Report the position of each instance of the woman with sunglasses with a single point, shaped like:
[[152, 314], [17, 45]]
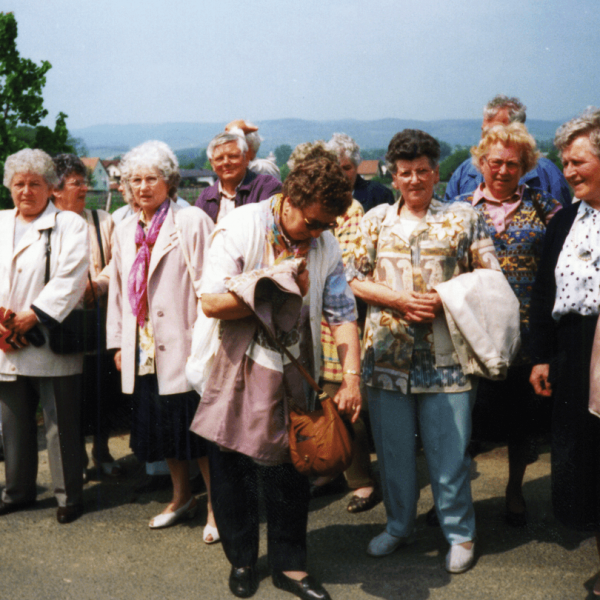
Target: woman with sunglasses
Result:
[[516, 217], [291, 225], [403, 254]]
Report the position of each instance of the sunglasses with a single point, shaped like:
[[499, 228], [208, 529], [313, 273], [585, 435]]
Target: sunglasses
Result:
[[315, 225]]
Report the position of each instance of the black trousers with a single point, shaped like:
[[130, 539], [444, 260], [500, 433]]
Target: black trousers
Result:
[[235, 480]]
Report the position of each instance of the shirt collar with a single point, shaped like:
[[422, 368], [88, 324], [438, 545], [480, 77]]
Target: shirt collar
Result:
[[481, 194]]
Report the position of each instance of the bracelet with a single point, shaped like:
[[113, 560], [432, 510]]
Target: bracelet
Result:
[[351, 372]]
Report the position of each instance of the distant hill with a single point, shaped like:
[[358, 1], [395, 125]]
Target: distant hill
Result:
[[111, 140]]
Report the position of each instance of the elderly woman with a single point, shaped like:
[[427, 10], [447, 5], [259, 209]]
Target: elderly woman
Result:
[[101, 387], [516, 217], [564, 312], [406, 254], [43, 272], [291, 225], [152, 307]]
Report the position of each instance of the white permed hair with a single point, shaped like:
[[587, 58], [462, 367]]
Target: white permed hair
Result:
[[586, 124], [224, 138], [344, 146], [516, 109], [30, 161], [151, 155]]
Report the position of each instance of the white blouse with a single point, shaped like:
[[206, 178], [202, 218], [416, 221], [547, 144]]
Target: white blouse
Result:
[[577, 271]]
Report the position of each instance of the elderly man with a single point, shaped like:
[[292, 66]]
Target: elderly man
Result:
[[237, 185], [368, 193], [546, 176]]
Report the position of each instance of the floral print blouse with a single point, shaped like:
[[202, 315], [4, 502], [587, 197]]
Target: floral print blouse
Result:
[[451, 239]]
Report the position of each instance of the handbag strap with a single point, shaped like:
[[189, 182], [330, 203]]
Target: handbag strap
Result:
[[97, 226], [185, 256]]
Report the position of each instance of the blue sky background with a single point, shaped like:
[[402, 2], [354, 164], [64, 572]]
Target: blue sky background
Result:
[[148, 61]]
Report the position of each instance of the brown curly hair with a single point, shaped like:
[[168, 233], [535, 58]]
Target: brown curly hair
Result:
[[319, 179]]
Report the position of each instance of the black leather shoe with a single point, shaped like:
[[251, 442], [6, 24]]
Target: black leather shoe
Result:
[[68, 514], [307, 588], [9, 507], [243, 582], [335, 486]]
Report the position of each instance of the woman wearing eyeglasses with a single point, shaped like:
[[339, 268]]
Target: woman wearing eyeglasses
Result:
[[516, 217], [407, 251]]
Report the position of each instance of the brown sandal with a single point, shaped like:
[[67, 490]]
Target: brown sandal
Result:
[[358, 504]]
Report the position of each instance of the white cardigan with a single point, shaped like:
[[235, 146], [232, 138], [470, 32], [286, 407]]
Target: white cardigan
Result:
[[22, 271]]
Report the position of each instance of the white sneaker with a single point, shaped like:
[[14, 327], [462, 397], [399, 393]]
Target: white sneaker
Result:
[[460, 559], [385, 543]]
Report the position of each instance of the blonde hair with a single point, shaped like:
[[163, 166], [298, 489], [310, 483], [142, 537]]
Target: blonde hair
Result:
[[515, 135]]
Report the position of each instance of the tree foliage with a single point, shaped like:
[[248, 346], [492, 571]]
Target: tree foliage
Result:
[[450, 164], [282, 154], [22, 103]]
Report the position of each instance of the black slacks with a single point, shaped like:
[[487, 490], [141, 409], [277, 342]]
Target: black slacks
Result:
[[235, 480]]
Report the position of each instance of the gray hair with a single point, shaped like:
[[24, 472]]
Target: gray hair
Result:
[[224, 138], [30, 161], [151, 155], [586, 124], [253, 140], [344, 145], [516, 109]]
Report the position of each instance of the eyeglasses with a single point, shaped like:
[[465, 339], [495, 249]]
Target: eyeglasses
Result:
[[315, 225], [495, 164], [150, 180]]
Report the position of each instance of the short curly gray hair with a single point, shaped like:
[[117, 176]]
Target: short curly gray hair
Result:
[[224, 138], [344, 146], [516, 109], [30, 161], [586, 124], [151, 155]]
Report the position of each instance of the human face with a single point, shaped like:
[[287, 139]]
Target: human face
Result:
[[229, 163], [30, 193], [349, 169], [501, 169], [309, 222], [72, 195], [415, 180], [149, 189], [581, 167], [500, 118]]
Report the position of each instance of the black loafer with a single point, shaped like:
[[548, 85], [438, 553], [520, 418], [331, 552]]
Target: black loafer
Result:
[[68, 514], [307, 588], [9, 507], [243, 582]]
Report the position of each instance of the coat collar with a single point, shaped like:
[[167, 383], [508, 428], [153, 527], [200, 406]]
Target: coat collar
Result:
[[47, 220], [166, 240]]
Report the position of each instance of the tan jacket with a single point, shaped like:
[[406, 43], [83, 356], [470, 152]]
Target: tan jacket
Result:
[[172, 298], [22, 271], [100, 275]]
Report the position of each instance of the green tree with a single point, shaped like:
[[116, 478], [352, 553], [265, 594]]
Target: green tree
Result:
[[282, 154], [22, 104], [448, 166]]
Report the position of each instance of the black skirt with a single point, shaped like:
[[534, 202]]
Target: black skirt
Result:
[[160, 426], [575, 431]]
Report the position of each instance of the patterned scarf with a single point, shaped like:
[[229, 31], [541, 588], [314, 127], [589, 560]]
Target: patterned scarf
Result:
[[137, 284], [283, 247]]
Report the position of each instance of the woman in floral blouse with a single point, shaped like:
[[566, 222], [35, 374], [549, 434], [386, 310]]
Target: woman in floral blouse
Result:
[[405, 251], [516, 216]]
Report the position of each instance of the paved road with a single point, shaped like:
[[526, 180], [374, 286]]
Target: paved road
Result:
[[110, 553]]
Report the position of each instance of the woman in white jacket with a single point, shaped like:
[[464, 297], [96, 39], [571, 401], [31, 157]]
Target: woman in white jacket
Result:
[[32, 373]]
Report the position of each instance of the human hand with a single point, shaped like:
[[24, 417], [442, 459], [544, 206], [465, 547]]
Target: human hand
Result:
[[22, 321], [117, 359], [90, 294], [241, 124], [539, 380], [348, 398], [417, 307]]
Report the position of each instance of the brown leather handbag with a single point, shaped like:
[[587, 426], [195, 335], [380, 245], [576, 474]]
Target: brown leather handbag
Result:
[[320, 441]]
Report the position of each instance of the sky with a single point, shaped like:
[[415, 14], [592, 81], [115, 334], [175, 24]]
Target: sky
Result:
[[151, 61]]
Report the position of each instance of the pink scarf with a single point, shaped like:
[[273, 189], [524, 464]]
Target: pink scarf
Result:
[[137, 284]]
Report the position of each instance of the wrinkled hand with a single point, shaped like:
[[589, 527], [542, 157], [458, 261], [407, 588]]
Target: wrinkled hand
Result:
[[91, 292], [539, 380], [118, 360], [241, 124], [23, 321], [417, 307], [348, 398], [303, 279]]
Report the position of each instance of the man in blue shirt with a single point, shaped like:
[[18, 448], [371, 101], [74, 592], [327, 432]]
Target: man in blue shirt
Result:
[[546, 176]]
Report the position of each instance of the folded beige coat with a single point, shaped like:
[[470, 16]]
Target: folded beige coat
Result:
[[482, 316]]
